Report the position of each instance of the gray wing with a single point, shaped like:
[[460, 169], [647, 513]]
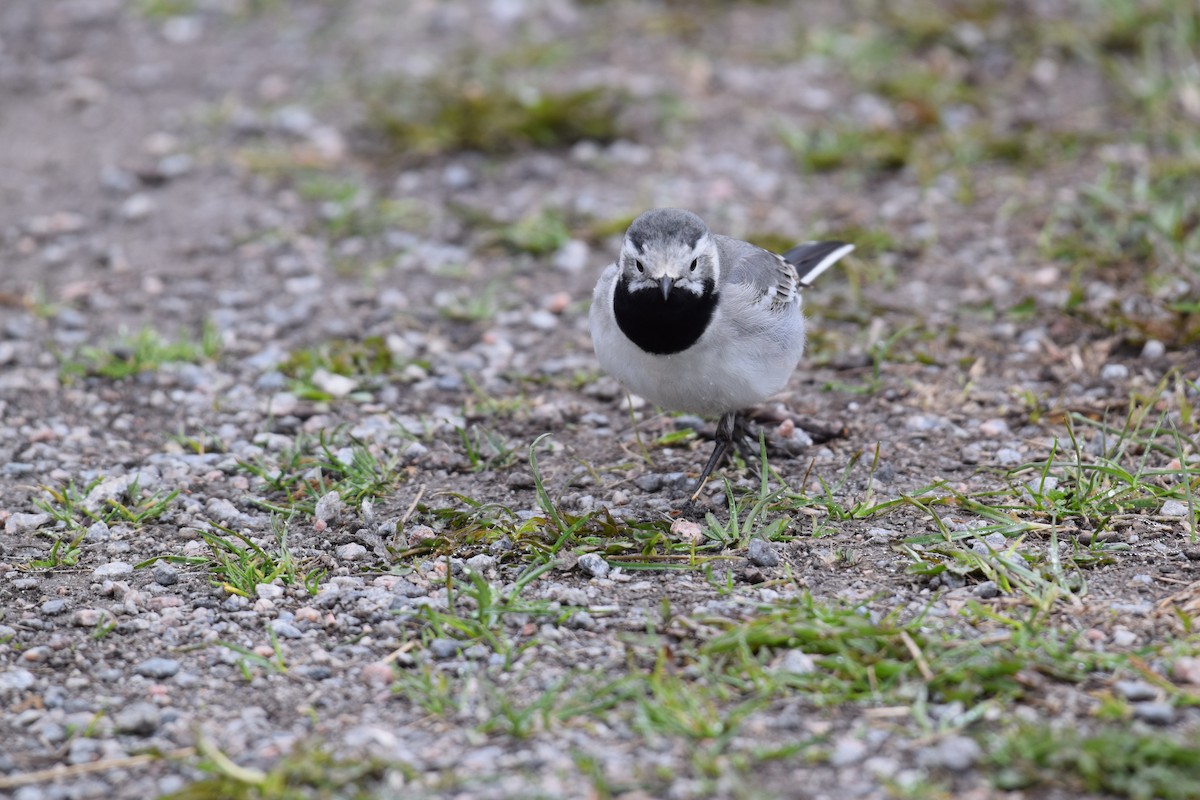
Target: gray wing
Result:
[[773, 281]]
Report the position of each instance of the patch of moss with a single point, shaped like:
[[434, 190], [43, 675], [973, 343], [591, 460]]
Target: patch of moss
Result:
[[829, 149], [447, 114], [351, 357]]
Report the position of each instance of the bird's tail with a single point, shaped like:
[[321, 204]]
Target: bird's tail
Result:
[[812, 258]]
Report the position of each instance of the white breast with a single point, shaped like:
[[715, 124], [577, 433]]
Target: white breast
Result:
[[746, 355]]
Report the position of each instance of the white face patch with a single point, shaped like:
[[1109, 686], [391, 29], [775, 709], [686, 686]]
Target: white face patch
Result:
[[688, 268]]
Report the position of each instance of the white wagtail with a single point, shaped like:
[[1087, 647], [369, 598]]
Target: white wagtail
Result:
[[697, 322]]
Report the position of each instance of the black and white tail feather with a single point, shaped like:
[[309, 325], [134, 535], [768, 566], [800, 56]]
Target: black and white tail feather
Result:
[[813, 258]]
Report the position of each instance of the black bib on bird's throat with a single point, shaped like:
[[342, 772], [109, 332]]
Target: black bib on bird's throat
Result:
[[663, 327]]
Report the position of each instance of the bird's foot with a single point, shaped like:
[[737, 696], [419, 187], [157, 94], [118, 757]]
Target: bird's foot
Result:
[[732, 433]]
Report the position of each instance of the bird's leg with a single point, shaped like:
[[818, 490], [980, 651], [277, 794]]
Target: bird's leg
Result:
[[745, 439], [730, 429]]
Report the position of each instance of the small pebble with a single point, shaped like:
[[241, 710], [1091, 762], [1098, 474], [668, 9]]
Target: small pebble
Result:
[[796, 662], [993, 428], [25, 523], [442, 648], [350, 552], [17, 680], [1114, 372], [582, 620], [378, 674], [882, 535], [286, 630], [687, 531], [481, 562], [593, 564], [1123, 637], [761, 554], [165, 574], [329, 507], [1154, 713], [1153, 349], [1135, 690], [649, 483], [137, 207], [89, 617], [572, 256], [987, 590], [955, 753], [157, 667], [138, 719], [1008, 457], [1174, 508], [1187, 670], [113, 570], [52, 608], [847, 750]]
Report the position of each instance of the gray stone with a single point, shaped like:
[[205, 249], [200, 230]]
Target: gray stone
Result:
[[406, 588], [955, 753], [157, 667], [138, 719], [796, 662], [1154, 712], [761, 554], [987, 590], [82, 751], [329, 507], [481, 562], [285, 629], [223, 511], [1123, 637], [52, 608], [350, 552], [165, 574], [593, 564], [98, 531], [1114, 372], [582, 620], [114, 570], [17, 680], [89, 617], [882, 535], [26, 523], [137, 207], [442, 648], [650, 482], [1135, 690], [1008, 457], [847, 750], [1174, 508]]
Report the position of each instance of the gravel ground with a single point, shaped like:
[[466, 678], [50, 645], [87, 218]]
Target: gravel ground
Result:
[[182, 168]]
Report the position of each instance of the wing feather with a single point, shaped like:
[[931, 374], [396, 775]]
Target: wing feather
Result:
[[776, 280]]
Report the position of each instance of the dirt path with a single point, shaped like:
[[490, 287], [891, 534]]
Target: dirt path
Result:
[[310, 484]]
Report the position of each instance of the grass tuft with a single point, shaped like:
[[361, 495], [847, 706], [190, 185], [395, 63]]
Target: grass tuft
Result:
[[450, 113], [144, 351]]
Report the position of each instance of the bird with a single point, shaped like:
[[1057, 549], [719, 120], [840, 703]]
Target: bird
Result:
[[701, 323]]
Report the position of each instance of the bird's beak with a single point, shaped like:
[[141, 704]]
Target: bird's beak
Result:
[[665, 284]]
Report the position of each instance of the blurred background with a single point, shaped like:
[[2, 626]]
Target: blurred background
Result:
[[1005, 167]]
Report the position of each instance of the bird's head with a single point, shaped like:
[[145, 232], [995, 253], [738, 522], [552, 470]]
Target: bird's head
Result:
[[669, 250]]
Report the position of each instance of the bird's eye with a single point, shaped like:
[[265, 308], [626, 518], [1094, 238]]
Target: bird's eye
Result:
[[695, 261], [639, 266]]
